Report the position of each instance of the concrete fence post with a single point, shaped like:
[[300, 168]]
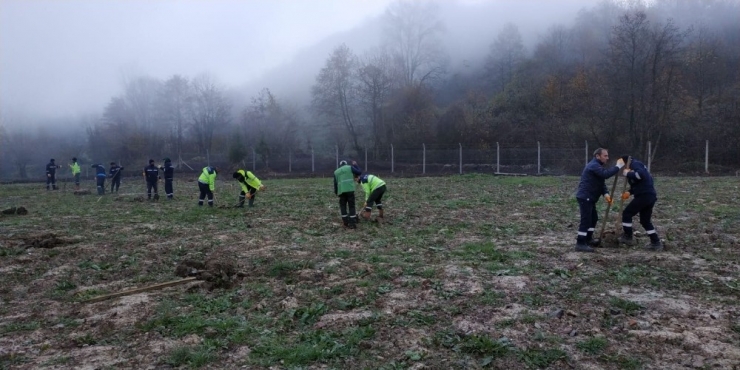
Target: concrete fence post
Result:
[[460, 157], [498, 158], [392, 159], [538, 158], [423, 159]]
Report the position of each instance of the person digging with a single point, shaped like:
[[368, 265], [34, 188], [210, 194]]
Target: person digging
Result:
[[250, 184], [642, 190], [374, 188]]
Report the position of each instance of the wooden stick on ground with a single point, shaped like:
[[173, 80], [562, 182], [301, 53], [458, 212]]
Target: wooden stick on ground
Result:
[[140, 290]]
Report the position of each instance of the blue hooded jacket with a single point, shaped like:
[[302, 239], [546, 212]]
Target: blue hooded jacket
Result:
[[593, 181], [640, 180]]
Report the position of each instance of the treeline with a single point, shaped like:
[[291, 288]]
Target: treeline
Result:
[[622, 75]]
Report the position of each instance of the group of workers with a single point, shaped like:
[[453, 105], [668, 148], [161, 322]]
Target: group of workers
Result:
[[591, 187]]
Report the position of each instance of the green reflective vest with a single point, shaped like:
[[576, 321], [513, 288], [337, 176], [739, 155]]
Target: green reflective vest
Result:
[[345, 179], [373, 182], [75, 168], [251, 179], [208, 176]]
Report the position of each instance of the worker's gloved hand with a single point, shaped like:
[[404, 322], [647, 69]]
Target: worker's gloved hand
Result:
[[626, 171], [262, 187], [626, 195], [249, 195], [48, 175], [608, 199], [620, 163]]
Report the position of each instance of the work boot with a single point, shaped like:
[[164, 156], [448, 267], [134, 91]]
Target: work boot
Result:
[[596, 242], [251, 202], [624, 239], [380, 213], [580, 247], [655, 246]]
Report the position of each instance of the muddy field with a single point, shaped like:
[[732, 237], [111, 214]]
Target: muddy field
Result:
[[466, 272]]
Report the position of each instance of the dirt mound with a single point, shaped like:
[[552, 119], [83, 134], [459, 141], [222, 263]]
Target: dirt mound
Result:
[[81, 192], [189, 268], [15, 211], [48, 241], [219, 272]]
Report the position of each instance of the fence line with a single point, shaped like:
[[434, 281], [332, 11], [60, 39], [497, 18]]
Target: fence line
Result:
[[425, 160]]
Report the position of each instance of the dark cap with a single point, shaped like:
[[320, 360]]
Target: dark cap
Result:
[[112, 163], [166, 159], [151, 161], [74, 159], [51, 160]]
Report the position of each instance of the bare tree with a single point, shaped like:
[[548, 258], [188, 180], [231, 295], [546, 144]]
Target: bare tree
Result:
[[210, 111], [411, 32], [334, 94], [175, 99], [269, 126], [506, 53], [374, 89]]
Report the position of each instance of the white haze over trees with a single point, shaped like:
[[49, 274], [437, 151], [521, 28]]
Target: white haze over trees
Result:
[[132, 80]]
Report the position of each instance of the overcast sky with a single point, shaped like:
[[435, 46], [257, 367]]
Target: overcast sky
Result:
[[62, 57]]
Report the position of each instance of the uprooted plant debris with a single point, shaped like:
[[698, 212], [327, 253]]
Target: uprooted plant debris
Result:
[[48, 241], [218, 272], [81, 192], [15, 211]]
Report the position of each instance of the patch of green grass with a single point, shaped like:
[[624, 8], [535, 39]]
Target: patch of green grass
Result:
[[310, 346], [195, 357], [478, 345], [309, 315], [537, 358], [593, 345], [628, 307], [88, 264], [20, 326], [65, 285], [622, 361], [9, 252]]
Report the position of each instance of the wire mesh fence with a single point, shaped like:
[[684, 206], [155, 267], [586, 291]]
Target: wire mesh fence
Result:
[[423, 160]]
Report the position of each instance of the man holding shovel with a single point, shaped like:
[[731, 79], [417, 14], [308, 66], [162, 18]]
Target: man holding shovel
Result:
[[645, 196], [100, 176], [75, 167], [590, 189], [115, 177], [249, 184]]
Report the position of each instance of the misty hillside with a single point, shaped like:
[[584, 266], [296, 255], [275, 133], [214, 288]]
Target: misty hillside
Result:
[[469, 31]]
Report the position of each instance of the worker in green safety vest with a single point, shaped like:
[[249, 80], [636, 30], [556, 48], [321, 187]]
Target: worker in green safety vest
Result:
[[344, 188], [250, 184], [207, 184], [374, 188]]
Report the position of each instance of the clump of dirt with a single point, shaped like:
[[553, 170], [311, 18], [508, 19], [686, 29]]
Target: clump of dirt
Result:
[[189, 268], [219, 272], [15, 211], [48, 241], [610, 241], [134, 199], [81, 192]]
